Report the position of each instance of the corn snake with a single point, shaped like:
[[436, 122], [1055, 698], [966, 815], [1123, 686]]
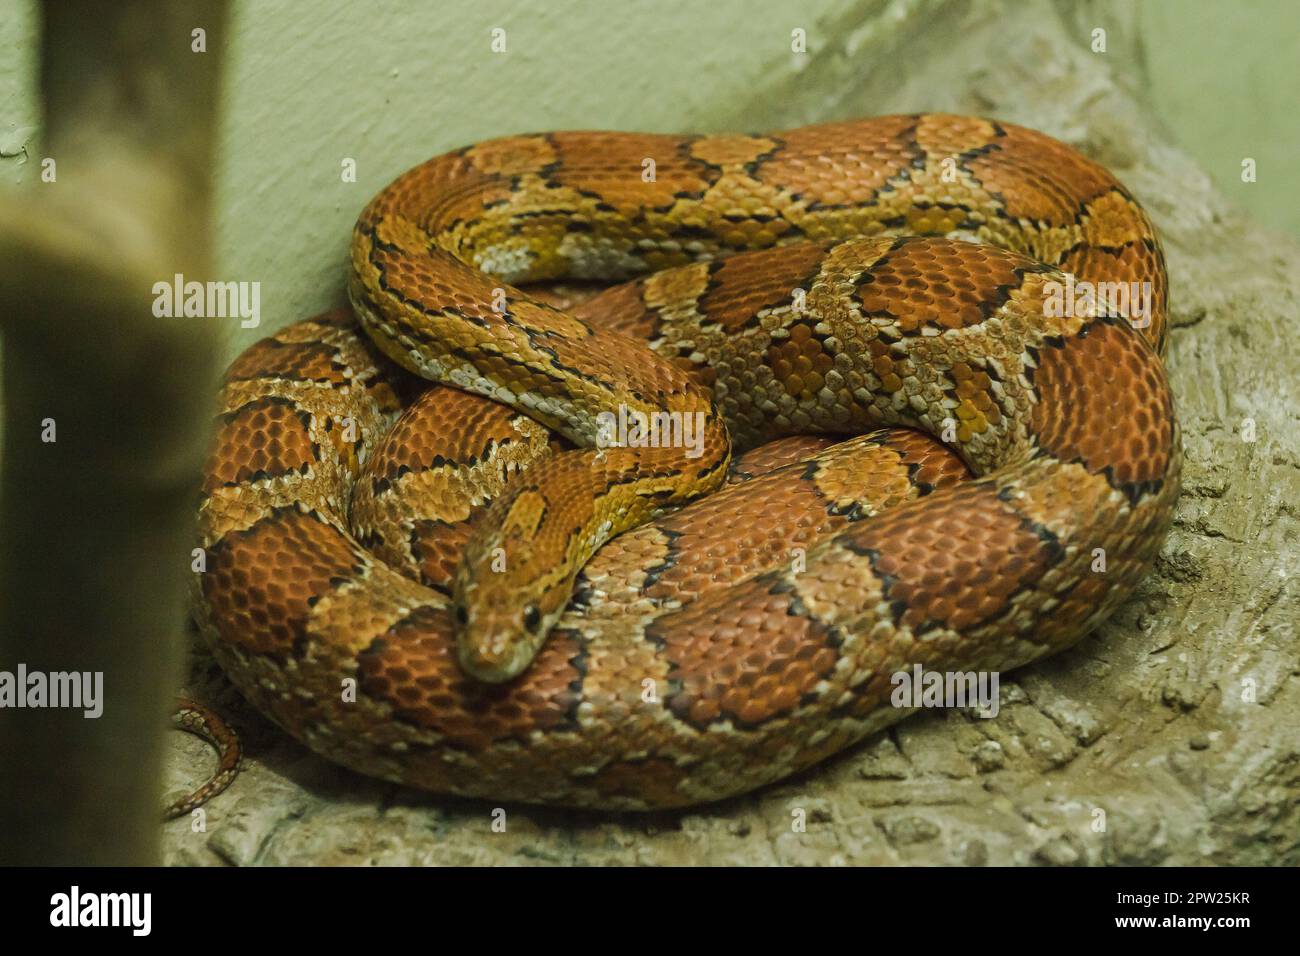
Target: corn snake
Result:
[[371, 546]]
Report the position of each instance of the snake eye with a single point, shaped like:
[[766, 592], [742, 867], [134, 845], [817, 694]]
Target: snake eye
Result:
[[532, 617], [462, 616]]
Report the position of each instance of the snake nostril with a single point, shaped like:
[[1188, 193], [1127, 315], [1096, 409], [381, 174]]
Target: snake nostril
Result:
[[532, 618]]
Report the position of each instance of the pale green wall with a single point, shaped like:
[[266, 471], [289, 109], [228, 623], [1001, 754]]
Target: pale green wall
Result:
[[1225, 77], [390, 83], [18, 111]]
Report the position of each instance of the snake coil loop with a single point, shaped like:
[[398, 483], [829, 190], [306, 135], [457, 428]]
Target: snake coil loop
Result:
[[491, 588]]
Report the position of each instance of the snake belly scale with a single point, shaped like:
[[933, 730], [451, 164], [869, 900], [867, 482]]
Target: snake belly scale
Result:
[[889, 445]]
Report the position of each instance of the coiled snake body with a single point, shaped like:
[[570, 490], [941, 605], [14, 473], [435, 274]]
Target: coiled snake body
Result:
[[422, 585]]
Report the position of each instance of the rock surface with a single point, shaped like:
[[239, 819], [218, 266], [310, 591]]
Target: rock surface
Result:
[[1169, 736]]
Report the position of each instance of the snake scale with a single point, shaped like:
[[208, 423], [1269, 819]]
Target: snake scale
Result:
[[861, 438]]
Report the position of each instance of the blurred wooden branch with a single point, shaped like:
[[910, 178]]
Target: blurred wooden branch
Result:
[[97, 525]]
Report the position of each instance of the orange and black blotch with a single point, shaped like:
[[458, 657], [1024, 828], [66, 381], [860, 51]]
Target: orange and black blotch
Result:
[[742, 286], [265, 438], [1139, 260], [1104, 403], [832, 166], [1037, 178], [958, 562], [922, 284], [677, 174], [413, 668], [747, 655], [441, 429], [261, 583], [930, 463], [294, 361]]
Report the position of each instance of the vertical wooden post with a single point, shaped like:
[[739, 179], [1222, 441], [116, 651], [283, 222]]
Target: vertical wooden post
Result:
[[106, 412]]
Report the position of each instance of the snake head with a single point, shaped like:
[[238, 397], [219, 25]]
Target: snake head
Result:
[[510, 588], [497, 646]]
